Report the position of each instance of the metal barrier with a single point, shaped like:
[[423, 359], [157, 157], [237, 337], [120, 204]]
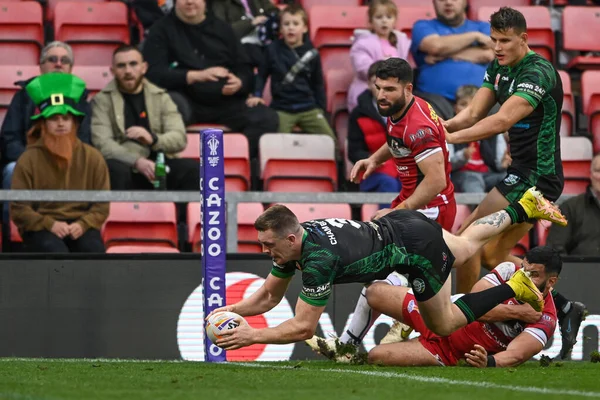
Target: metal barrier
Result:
[[231, 198]]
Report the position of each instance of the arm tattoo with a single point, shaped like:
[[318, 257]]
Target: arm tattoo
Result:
[[494, 219]]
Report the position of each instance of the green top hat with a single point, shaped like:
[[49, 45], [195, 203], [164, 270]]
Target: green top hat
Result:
[[56, 93]]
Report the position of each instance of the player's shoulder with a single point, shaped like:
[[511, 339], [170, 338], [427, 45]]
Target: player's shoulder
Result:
[[535, 64]]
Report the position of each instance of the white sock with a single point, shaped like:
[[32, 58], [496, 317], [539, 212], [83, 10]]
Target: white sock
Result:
[[364, 317]]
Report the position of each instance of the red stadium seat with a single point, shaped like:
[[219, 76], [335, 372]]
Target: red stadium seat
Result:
[[335, 58], [21, 32], [474, 5], [96, 78], [367, 211], [539, 28], [407, 16], [93, 30], [247, 239], [337, 82], [51, 5], [9, 74], [335, 25], [308, 4], [521, 247], [150, 224], [138, 249], [568, 109], [462, 212], [581, 28], [590, 93], [237, 159], [340, 125], [576, 154], [298, 162], [306, 212], [15, 236]]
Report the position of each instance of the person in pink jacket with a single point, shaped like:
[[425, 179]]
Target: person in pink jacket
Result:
[[380, 43]]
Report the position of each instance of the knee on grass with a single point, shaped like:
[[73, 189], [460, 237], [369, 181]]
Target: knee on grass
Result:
[[376, 295], [378, 355]]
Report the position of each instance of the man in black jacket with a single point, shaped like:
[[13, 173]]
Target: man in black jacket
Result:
[[55, 57], [198, 58]]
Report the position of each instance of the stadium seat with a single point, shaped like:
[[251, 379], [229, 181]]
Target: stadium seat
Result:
[[576, 154], [306, 212], [9, 74], [307, 164], [247, 239], [335, 58], [237, 159], [96, 78], [15, 236], [340, 126], [462, 212], [474, 6], [308, 4], [590, 93], [568, 109], [367, 211], [337, 82], [93, 30], [407, 16], [21, 32], [540, 36], [335, 25], [51, 5], [581, 28], [133, 249], [147, 224], [521, 247]]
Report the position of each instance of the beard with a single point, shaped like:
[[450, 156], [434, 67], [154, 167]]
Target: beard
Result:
[[393, 108], [136, 84], [61, 147]]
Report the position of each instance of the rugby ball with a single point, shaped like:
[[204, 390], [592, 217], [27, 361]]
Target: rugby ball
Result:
[[221, 322]]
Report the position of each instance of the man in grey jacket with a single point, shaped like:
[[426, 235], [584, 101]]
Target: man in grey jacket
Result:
[[132, 121]]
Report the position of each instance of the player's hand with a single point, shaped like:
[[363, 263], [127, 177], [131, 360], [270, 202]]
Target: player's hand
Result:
[[140, 134], [253, 101], [220, 309], [452, 138], [60, 229], [236, 338], [477, 357], [527, 314], [506, 160], [75, 230], [145, 167], [367, 165], [381, 213], [232, 86]]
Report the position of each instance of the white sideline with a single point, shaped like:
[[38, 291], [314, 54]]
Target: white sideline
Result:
[[429, 379]]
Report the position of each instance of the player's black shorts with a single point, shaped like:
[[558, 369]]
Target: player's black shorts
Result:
[[515, 184], [429, 260]]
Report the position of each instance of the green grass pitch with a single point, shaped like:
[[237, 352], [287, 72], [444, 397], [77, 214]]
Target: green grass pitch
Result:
[[40, 379]]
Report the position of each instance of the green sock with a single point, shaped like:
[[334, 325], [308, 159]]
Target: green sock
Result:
[[517, 213]]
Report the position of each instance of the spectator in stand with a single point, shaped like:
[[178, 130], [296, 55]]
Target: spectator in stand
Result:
[[197, 57], [55, 57], [255, 23], [150, 11], [478, 166], [366, 135], [55, 159], [297, 85], [132, 121], [450, 51], [582, 236], [378, 43]]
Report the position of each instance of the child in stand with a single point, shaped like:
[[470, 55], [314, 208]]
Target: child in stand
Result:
[[297, 85], [380, 43]]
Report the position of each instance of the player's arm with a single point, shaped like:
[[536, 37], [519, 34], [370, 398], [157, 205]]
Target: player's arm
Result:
[[521, 349], [479, 107], [506, 312], [512, 111], [434, 181], [301, 327], [264, 299]]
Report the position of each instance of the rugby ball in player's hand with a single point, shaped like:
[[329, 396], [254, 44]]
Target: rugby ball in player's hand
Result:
[[221, 322]]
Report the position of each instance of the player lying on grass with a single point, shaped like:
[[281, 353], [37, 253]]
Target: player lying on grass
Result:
[[335, 251], [508, 335]]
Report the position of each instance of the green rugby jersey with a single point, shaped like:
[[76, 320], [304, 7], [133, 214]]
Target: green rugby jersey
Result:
[[534, 141], [336, 251]]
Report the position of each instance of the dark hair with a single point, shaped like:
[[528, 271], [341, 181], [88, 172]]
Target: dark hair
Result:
[[507, 18], [295, 9], [373, 69], [547, 256], [125, 48], [278, 218], [395, 68]]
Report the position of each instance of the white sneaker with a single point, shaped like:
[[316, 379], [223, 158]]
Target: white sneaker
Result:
[[333, 349], [398, 332]]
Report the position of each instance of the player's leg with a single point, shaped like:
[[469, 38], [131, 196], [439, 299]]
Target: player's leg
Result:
[[498, 249], [404, 354]]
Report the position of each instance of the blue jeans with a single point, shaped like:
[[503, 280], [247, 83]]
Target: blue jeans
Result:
[[381, 183], [476, 182]]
